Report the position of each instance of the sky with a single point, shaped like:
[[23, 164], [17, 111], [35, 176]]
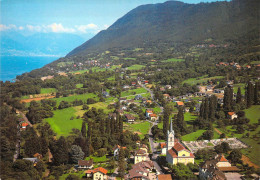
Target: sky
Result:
[[67, 16]]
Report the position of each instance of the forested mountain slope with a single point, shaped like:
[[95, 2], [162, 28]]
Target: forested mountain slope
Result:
[[177, 22]]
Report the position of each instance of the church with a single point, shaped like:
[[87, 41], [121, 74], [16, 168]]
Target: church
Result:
[[176, 152]]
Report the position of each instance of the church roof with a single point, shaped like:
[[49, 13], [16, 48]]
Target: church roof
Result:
[[176, 148]]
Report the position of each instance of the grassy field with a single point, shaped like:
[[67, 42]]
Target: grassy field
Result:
[[135, 67], [252, 153], [80, 71], [188, 117], [194, 81], [141, 128], [253, 113], [79, 85], [61, 123], [97, 159], [82, 97], [242, 87], [129, 58], [173, 60], [192, 136], [80, 174], [98, 105], [48, 90], [133, 92]]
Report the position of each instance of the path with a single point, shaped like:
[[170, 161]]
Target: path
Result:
[[246, 160]]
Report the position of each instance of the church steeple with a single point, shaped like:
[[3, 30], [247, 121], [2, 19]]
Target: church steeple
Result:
[[170, 137]]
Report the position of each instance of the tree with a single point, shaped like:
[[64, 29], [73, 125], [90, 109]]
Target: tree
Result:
[[256, 97], [249, 94], [222, 148], [228, 99], [166, 115], [76, 154], [121, 163], [182, 171], [72, 177], [60, 151], [83, 129], [239, 96], [235, 156]]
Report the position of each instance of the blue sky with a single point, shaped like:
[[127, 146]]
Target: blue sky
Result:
[[70, 16]]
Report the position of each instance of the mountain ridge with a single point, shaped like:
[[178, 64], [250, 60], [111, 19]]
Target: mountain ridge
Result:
[[177, 22]]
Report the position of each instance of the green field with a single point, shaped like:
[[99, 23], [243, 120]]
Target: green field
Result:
[[48, 90], [80, 71], [82, 97], [97, 159], [133, 92], [173, 60], [194, 81], [135, 67], [192, 136], [252, 153], [189, 117], [253, 113], [61, 123], [129, 58], [142, 128], [80, 174], [242, 87], [79, 85]]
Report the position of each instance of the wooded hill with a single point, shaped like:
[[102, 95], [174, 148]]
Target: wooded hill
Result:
[[177, 22]]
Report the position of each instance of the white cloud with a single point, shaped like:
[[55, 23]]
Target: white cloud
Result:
[[7, 27], [54, 27], [34, 28], [84, 28]]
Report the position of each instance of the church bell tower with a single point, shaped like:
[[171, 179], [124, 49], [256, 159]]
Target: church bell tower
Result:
[[170, 137]]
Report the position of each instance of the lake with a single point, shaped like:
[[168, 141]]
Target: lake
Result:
[[11, 66]]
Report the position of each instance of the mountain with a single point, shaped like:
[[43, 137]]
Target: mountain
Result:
[[58, 44], [178, 22]]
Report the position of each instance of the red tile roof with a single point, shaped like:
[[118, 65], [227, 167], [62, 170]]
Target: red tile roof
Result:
[[153, 115], [231, 113], [99, 169], [223, 159], [179, 103], [176, 148], [164, 177], [163, 145], [25, 124]]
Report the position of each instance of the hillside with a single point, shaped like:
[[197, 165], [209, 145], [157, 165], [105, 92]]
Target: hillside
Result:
[[177, 22]]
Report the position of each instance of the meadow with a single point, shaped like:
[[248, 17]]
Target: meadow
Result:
[[48, 90], [135, 67], [194, 81], [141, 128], [173, 60], [71, 98], [61, 123]]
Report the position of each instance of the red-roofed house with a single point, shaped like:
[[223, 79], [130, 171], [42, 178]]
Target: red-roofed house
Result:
[[153, 117], [148, 112], [232, 115], [164, 177], [98, 173], [179, 103], [163, 147], [24, 125]]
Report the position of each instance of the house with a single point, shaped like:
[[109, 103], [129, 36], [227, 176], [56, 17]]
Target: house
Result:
[[82, 164], [153, 117], [140, 170], [24, 125], [138, 96], [232, 115], [162, 89], [126, 87], [179, 103], [168, 87], [176, 152], [146, 81], [216, 168], [209, 88], [37, 155], [163, 148], [122, 99], [187, 109], [149, 101], [46, 77], [116, 149], [33, 160], [133, 83], [105, 94], [164, 177], [141, 154], [130, 118], [148, 112], [166, 96], [98, 173]]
